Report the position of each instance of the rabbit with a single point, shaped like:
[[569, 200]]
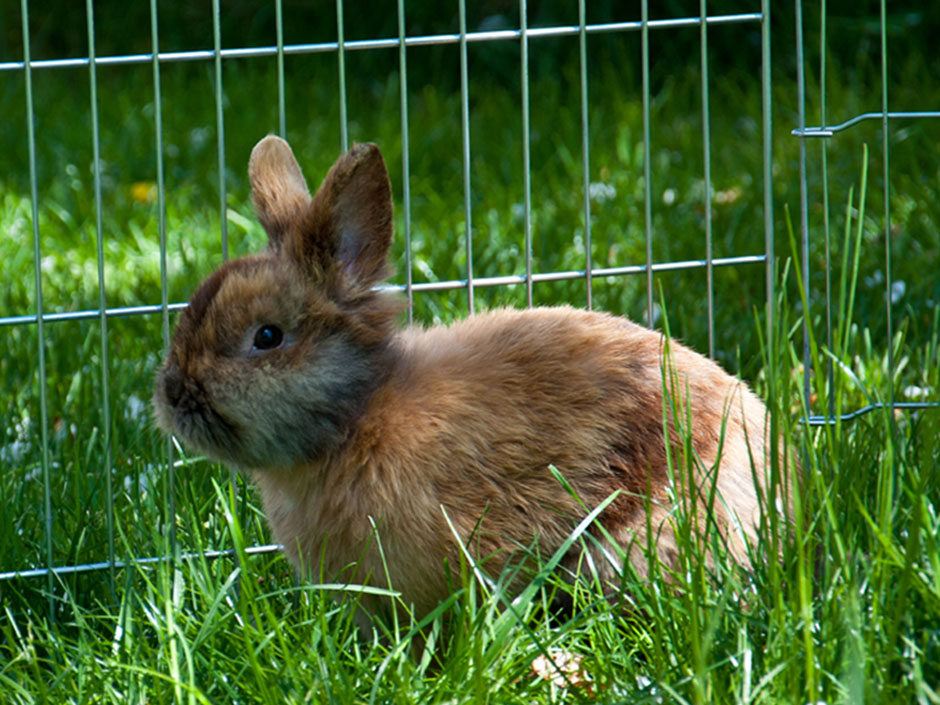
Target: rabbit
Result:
[[376, 447]]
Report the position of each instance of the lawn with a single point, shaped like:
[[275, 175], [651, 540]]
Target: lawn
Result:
[[850, 612]]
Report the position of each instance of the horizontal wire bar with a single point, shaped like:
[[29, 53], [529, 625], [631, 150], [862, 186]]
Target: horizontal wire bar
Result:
[[507, 280], [390, 43], [85, 315], [92, 567], [821, 420], [830, 130]]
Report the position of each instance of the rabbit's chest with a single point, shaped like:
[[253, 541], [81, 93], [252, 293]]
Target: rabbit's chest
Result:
[[358, 532]]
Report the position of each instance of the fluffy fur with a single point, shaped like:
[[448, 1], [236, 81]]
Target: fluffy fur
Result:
[[349, 419]]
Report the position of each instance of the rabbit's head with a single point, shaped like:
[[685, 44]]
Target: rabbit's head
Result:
[[278, 353]]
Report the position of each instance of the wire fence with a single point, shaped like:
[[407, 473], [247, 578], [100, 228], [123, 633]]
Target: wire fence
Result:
[[824, 131], [50, 565], [41, 318]]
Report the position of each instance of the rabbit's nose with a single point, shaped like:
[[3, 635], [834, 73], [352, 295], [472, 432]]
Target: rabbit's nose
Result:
[[174, 386]]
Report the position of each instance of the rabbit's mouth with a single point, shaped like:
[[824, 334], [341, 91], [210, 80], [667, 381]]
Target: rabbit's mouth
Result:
[[203, 428], [183, 408]]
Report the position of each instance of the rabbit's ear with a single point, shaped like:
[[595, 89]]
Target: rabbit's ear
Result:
[[278, 189], [349, 222]]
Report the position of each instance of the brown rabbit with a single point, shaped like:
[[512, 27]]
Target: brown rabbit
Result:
[[289, 366]]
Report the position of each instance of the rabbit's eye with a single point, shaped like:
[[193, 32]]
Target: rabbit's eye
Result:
[[268, 337]]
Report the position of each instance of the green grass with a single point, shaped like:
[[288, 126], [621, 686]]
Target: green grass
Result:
[[852, 610]]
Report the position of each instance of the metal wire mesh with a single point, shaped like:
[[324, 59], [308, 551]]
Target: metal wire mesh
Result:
[[40, 318], [824, 131]]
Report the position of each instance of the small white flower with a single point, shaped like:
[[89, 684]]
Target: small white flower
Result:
[[897, 290], [915, 392], [669, 196], [562, 668], [602, 192], [728, 195], [578, 244], [135, 407], [13, 452], [199, 137]]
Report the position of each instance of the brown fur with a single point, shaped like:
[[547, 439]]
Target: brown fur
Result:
[[350, 420]]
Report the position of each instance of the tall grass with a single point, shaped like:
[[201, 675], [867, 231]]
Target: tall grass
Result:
[[848, 613]]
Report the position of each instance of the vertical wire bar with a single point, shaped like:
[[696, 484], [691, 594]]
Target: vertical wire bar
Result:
[[809, 678], [824, 154], [40, 327], [465, 128], [526, 150], [767, 124], [804, 214], [102, 298], [647, 191], [282, 132], [769, 262], [220, 125], [887, 206], [161, 216], [405, 155], [706, 155], [223, 201], [585, 153], [341, 61], [281, 101]]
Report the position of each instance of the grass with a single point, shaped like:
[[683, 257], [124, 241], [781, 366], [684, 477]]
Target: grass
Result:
[[850, 613]]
